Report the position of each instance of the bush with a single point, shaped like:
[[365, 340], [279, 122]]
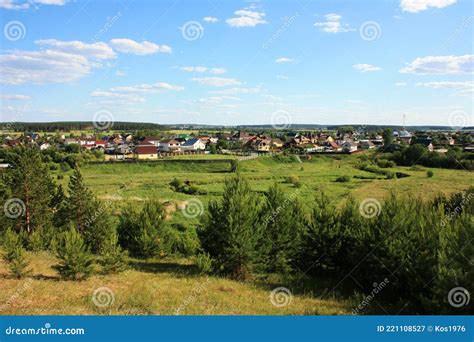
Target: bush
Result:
[[429, 173], [204, 263], [295, 180], [343, 179], [384, 163], [113, 258], [75, 259], [14, 255]]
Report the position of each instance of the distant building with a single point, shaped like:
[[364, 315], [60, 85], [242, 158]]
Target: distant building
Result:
[[146, 152], [194, 144]]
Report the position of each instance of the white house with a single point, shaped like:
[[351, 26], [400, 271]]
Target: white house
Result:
[[349, 146], [193, 145], [169, 145], [44, 146]]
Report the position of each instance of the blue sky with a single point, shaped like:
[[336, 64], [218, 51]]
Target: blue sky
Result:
[[238, 62]]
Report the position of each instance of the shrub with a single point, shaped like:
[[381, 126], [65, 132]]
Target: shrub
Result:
[[204, 263], [35, 241], [14, 255], [384, 163], [429, 173], [113, 258], [343, 179], [75, 259], [295, 180]]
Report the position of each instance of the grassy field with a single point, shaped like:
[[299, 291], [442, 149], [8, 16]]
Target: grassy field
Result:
[[139, 181], [160, 287], [169, 286]]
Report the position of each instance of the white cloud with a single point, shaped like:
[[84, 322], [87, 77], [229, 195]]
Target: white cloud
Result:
[[465, 88], [333, 24], [135, 93], [14, 97], [40, 67], [125, 45], [216, 81], [400, 84], [20, 5], [282, 77], [246, 18], [202, 69], [99, 50], [120, 73], [414, 6], [366, 67], [210, 20], [236, 90], [284, 60], [440, 65]]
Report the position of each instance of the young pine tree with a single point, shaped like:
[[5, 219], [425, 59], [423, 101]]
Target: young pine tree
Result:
[[283, 225], [75, 259], [232, 229], [113, 258], [141, 231], [14, 255]]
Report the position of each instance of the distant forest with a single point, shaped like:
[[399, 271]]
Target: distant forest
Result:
[[77, 126], [132, 126]]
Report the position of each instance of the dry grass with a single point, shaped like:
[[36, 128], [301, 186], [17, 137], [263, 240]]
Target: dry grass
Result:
[[153, 287]]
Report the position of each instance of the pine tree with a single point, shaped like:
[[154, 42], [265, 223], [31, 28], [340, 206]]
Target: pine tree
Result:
[[113, 258], [14, 255], [75, 259], [141, 231], [283, 220], [86, 212], [232, 229], [29, 181]]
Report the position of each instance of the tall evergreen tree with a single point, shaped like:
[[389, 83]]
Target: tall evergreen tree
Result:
[[29, 181], [76, 262], [14, 254], [86, 212], [232, 229]]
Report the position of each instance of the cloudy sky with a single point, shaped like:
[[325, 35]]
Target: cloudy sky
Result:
[[238, 62]]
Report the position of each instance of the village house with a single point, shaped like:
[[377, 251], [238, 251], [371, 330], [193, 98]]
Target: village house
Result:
[[349, 146], [147, 151], [152, 141], [366, 144], [193, 145], [426, 142], [242, 137], [44, 146], [169, 145]]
